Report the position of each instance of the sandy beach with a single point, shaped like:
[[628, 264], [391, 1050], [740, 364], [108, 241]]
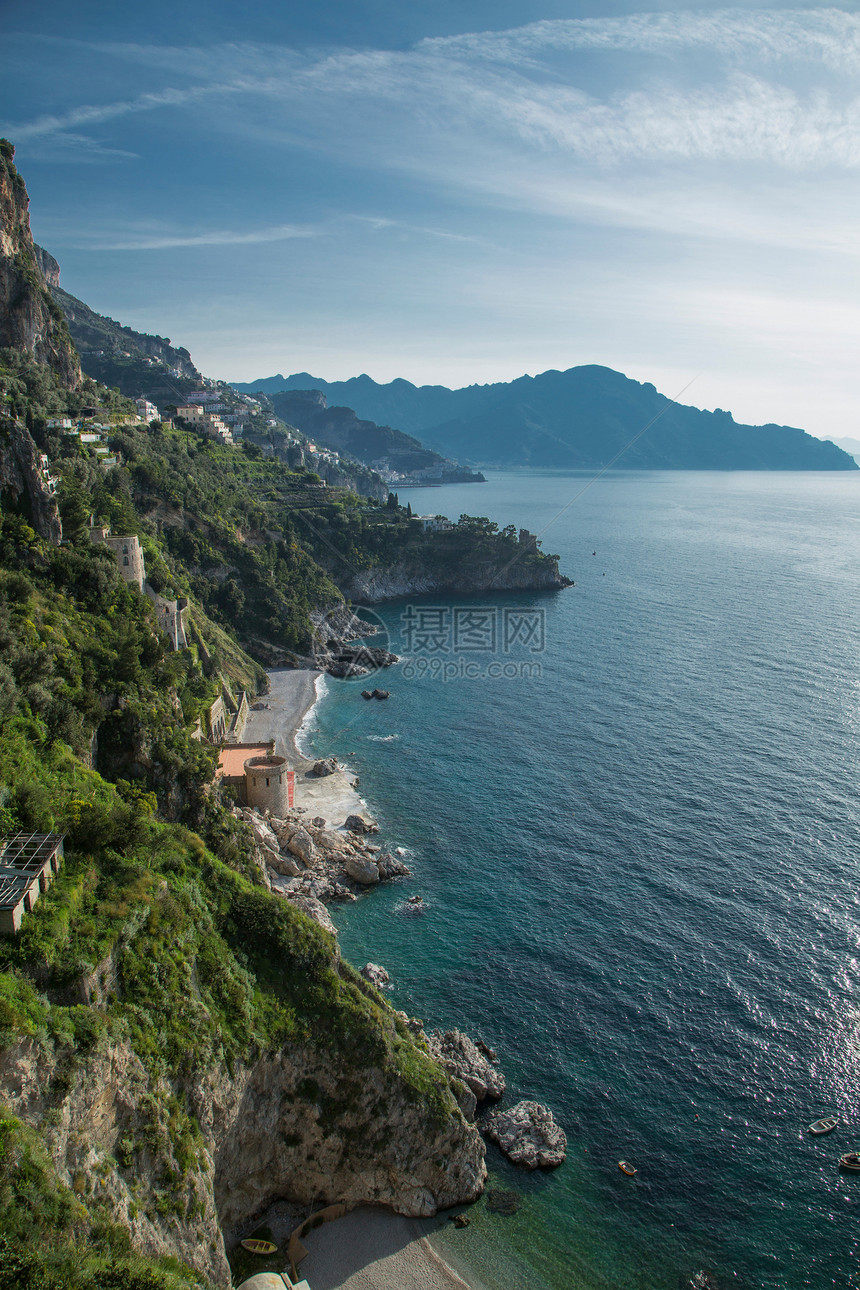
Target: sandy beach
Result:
[[373, 1249], [292, 694]]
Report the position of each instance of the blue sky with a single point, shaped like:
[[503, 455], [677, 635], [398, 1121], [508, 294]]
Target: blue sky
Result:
[[459, 192]]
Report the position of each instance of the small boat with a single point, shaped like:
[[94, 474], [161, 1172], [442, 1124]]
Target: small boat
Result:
[[256, 1246], [629, 1170], [851, 1162], [826, 1125]]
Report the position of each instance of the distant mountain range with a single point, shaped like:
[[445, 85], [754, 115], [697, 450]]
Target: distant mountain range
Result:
[[851, 446], [585, 417], [390, 451]]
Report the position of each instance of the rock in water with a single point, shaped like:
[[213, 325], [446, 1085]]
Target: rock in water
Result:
[[360, 824], [528, 1135], [390, 867], [503, 1202], [362, 870], [375, 974], [456, 1053]]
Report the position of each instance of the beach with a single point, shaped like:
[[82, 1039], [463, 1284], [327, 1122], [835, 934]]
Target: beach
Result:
[[292, 695], [373, 1249]]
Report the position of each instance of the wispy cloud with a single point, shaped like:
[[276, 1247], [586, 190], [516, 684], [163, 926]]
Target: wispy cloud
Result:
[[96, 113], [215, 237], [499, 87], [830, 36]]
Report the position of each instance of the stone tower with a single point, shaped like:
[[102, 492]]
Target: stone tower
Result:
[[266, 784]]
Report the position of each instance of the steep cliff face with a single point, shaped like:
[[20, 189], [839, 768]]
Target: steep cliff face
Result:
[[49, 266], [29, 319], [371, 586], [136, 362], [292, 1124], [21, 476]]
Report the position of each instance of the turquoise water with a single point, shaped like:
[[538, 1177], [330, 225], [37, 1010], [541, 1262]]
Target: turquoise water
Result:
[[640, 873]]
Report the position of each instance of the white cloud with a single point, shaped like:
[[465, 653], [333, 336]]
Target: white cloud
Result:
[[495, 82], [830, 36], [214, 237]]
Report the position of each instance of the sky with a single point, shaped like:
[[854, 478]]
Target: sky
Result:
[[459, 193]]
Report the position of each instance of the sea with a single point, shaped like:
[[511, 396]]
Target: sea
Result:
[[631, 809]]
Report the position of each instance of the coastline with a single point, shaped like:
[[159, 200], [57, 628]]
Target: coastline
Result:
[[367, 1249]]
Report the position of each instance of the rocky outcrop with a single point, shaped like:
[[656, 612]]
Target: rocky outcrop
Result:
[[325, 766], [376, 975], [30, 321], [458, 1055], [372, 586], [305, 1122], [363, 869], [360, 824], [303, 859], [48, 265], [21, 475], [295, 1125], [340, 644], [528, 1135]]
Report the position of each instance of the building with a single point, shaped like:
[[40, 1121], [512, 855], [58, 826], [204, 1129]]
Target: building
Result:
[[147, 411], [28, 863], [192, 412], [128, 552], [59, 423], [172, 617], [269, 784], [434, 523], [228, 715], [50, 481]]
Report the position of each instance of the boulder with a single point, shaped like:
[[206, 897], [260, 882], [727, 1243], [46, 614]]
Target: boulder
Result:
[[390, 867], [360, 824], [328, 840], [314, 908], [375, 974], [284, 830], [325, 766], [283, 863], [262, 833], [528, 1135], [459, 1056], [362, 870], [318, 822], [301, 844]]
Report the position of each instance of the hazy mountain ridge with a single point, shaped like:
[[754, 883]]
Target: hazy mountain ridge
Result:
[[378, 446], [584, 417]]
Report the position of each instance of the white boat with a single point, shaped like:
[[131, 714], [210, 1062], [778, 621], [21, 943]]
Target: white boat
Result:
[[826, 1125]]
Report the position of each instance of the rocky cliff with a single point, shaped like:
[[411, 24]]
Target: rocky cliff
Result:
[[22, 478], [158, 1116], [372, 586], [29, 320], [291, 1125], [137, 363]]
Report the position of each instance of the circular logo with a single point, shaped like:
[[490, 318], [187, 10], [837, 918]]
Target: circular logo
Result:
[[352, 643]]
